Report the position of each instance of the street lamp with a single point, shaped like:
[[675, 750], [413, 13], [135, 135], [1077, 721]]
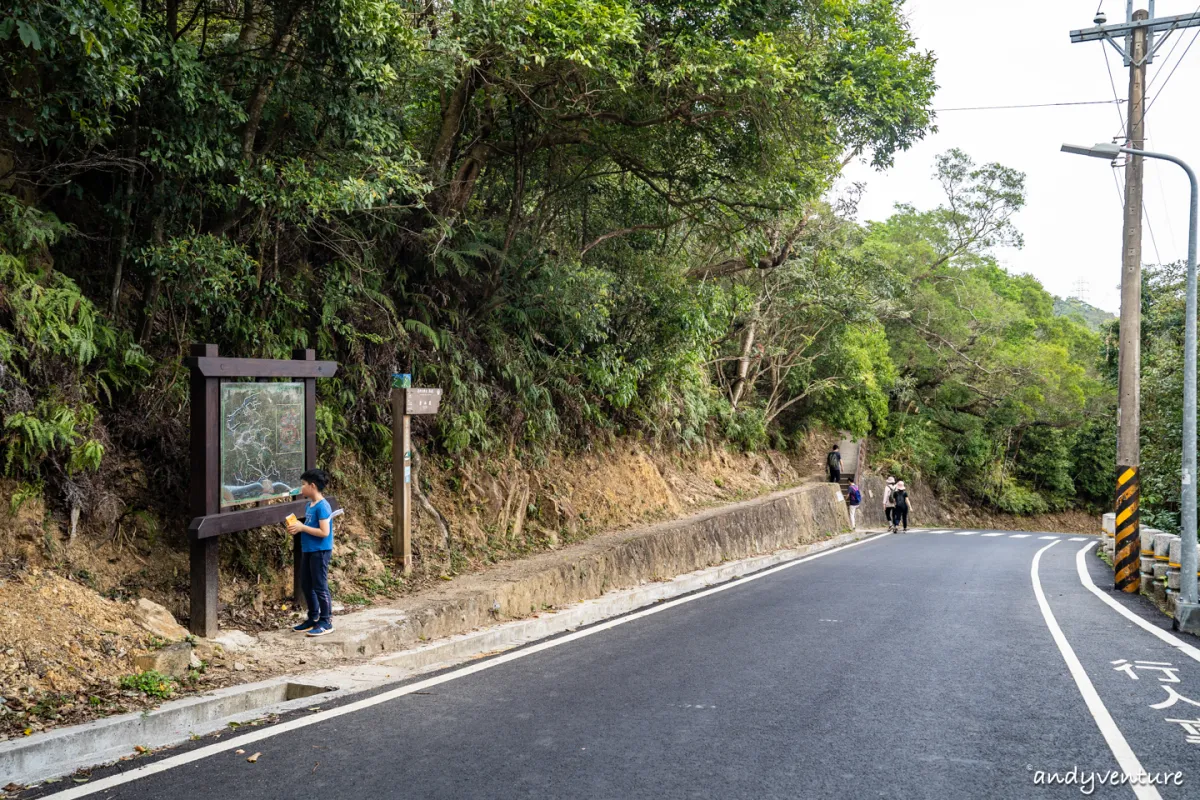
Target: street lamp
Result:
[[1187, 617]]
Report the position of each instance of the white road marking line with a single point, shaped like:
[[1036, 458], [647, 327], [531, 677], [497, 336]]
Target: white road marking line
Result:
[[1125, 756], [993, 534], [1044, 538], [1019, 536], [965, 533], [1077, 539], [321, 716], [1086, 579]]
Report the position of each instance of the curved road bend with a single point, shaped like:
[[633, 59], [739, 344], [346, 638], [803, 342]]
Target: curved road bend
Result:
[[910, 666]]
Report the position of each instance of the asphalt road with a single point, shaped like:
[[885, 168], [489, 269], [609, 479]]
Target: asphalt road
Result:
[[911, 666]]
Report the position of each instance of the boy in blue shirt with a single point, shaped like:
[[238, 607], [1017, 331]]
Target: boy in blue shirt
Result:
[[316, 550]]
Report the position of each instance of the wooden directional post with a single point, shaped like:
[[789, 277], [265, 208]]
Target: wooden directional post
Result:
[[405, 403], [401, 474]]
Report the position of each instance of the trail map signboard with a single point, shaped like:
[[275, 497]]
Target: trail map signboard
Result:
[[262, 441], [251, 441]]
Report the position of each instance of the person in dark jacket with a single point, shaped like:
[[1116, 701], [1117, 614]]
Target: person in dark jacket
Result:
[[903, 504], [833, 462]]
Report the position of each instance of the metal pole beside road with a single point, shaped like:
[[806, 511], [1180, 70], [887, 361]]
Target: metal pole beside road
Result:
[[1187, 613]]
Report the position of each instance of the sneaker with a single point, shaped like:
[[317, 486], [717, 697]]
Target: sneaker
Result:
[[307, 625], [321, 630]]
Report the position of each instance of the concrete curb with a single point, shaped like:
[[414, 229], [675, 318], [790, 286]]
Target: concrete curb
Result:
[[62, 751]]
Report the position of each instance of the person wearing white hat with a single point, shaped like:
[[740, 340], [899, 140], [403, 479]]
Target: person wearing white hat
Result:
[[889, 504], [900, 512]]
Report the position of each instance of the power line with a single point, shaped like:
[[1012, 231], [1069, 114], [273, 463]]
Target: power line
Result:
[[1153, 241], [1116, 98], [1171, 52], [1162, 194], [1172, 72], [1154, 77], [1032, 105]]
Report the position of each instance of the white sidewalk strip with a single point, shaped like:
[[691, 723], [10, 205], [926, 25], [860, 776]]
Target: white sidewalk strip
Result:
[[1189, 650], [1126, 759], [1019, 536], [302, 722], [993, 534], [1051, 538]]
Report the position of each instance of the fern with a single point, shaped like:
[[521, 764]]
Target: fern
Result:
[[31, 438]]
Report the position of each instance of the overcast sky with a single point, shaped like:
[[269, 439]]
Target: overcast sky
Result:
[[1020, 52]]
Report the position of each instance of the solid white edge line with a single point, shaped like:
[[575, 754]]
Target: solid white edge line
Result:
[[1120, 748], [1086, 579], [320, 716]]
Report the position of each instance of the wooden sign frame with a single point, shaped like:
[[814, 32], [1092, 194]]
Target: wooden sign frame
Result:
[[209, 522]]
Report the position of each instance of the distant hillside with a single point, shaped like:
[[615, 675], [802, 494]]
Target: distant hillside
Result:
[[1089, 315]]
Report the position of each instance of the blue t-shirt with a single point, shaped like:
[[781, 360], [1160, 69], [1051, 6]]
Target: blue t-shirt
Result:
[[313, 514]]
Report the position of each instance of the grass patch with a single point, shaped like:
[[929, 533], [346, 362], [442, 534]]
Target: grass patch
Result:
[[150, 683]]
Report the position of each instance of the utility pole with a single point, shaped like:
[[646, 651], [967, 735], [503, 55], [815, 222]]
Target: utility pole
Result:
[[1129, 355], [1140, 45]]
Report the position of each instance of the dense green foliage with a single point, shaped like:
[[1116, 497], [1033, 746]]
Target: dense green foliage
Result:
[[1162, 392], [1096, 319], [582, 218]]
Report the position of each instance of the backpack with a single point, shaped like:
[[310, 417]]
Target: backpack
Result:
[[901, 498], [855, 496]]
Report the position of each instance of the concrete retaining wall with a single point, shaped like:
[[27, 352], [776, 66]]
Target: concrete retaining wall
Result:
[[785, 519]]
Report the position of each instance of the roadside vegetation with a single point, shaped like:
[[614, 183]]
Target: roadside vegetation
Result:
[[586, 220]]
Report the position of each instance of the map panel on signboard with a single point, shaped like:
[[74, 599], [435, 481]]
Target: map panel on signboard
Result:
[[262, 441]]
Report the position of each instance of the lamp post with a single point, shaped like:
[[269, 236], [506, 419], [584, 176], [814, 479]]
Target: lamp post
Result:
[[1187, 616]]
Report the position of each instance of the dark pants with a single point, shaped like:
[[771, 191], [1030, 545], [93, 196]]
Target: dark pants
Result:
[[314, 582], [900, 515], [887, 514], [835, 475]]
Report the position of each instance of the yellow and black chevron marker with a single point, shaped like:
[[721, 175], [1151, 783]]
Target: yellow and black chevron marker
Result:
[[1129, 543]]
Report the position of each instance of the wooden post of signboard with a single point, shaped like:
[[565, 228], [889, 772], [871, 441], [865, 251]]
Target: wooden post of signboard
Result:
[[401, 486], [310, 462], [205, 493]]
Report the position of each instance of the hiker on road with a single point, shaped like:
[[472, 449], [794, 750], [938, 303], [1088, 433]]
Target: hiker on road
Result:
[[833, 461], [889, 502], [903, 505], [853, 500]]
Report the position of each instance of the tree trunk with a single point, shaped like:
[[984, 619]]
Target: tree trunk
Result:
[[743, 369], [452, 119], [152, 292]]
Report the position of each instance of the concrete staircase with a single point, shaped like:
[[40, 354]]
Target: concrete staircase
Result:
[[854, 460]]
